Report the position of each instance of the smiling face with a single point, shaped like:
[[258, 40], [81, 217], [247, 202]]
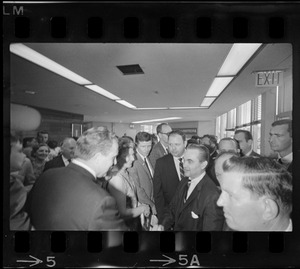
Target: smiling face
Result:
[[242, 210], [42, 153]]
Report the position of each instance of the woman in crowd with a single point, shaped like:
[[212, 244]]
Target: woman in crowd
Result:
[[39, 154], [123, 189]]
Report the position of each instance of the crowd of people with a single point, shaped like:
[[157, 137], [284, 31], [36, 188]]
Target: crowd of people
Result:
[[103, 182]]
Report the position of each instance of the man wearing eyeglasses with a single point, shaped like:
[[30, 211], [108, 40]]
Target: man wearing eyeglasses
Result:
[[161, 148]]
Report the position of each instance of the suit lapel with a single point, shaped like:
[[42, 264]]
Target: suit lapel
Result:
[[194, 193], [172, 166], [143, 165]]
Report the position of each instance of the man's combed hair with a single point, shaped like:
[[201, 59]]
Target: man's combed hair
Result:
[[93, 141], [230, 139], [178, 132], [282, 122], [159, 127], [247, 134], [264, 177], [203, 150], [143, 137]]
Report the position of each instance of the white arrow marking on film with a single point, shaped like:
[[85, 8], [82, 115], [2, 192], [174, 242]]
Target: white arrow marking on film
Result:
[[168, 261], [35, 261]]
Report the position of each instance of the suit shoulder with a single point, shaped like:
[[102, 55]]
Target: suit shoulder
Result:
[[164, 159]]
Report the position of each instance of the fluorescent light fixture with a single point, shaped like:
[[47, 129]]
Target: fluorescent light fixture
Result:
[[218, 85], [100, 90], [151, 108], [207, 101], [185, 107], [125, 103], [39, 59], [165, 119], [237, 58]]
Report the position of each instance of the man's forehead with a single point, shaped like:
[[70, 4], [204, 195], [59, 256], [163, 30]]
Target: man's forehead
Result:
[[175, 137], [143, 143]]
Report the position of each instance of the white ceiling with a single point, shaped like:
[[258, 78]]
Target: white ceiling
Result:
[[175, 75]]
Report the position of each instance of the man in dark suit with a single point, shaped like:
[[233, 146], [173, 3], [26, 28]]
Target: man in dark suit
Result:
[[69, 198], [245, 141], [67, 154], [160, 149], [194, 206], [167, 172], [281, 141]]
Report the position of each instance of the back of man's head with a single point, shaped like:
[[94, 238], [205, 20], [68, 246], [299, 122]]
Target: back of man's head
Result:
[[228, 144], [264, 177], [93, 141]]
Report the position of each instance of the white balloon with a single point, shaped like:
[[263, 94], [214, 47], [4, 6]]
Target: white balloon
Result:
[[24, 118]]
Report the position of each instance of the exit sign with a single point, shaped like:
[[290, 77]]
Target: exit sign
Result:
[[270, 78]]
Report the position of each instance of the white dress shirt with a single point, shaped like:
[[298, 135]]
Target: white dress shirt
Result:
[[286, 159], [194, 183], [177, 165], [65, 160], [79, 163]]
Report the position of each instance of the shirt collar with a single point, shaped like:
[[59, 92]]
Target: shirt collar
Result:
[[249, 152], [164, 147], [81, 164], [286, 159], [143, 157], [290, 227], [65, 160], [196, 180]]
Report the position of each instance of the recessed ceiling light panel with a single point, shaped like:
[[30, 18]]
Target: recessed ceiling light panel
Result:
[[133, 69]]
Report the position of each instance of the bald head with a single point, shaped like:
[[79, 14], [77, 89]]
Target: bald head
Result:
[[68, 147]]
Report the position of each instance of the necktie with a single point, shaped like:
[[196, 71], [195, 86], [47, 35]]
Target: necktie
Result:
[[187, 189], [280, 161], [145, 160], [181, 168]]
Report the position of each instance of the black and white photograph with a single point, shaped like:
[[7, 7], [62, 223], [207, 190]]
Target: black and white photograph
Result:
[[141, 141]]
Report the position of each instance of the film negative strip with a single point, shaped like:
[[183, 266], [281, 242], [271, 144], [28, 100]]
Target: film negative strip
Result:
[[150, 22]]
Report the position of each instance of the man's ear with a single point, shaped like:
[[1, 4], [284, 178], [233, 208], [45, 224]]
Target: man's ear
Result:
[[250, 142], [204, 165], [271, 209]]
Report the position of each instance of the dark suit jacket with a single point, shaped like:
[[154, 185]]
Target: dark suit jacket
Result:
[[54, 163], [69, 198], [206, 216], [157, 152], [165, 182], [143, 182]]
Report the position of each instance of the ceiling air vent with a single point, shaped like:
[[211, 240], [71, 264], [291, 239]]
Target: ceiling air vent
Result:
[[133, 69]]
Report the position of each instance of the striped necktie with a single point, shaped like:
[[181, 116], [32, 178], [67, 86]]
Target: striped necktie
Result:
[[181, 168]]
